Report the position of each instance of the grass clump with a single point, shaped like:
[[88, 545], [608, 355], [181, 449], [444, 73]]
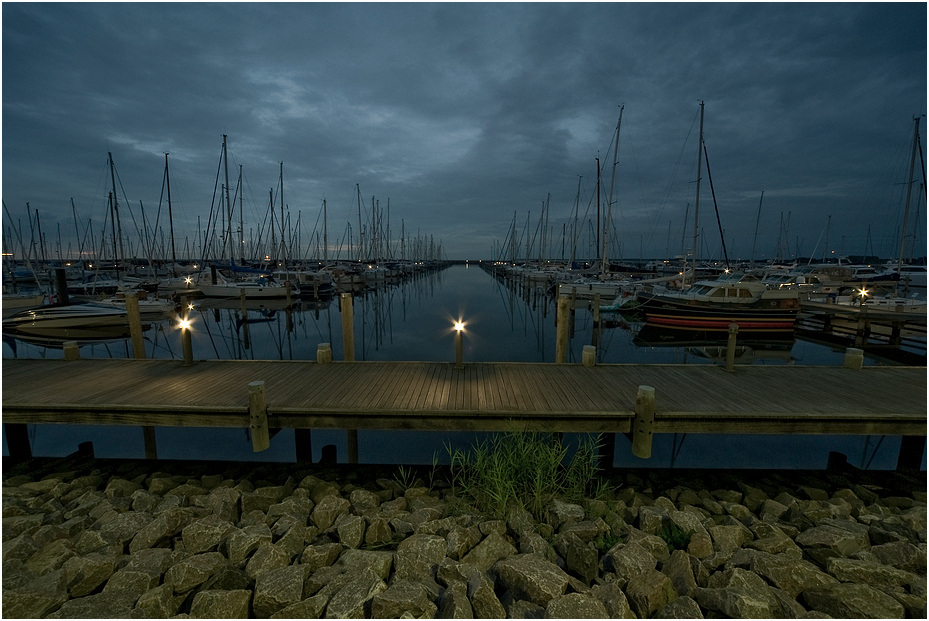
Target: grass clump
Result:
[[675, 536], [525, 470]]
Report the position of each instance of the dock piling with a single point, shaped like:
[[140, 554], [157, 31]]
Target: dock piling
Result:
[[258, 416], [854, 358], [71, 350], [135, 325], [589, 356], [644, 423], [730, 347], [348, 326], [561, 334]]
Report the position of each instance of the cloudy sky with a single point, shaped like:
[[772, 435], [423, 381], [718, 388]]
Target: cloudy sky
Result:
[[464, 115]]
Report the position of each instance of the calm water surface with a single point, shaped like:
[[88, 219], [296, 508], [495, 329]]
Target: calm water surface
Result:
[[413, 321]]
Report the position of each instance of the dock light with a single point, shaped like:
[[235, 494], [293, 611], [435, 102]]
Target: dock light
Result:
[[184, 325], [459, 328]]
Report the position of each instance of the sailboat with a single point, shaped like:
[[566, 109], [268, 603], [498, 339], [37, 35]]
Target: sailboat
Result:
[[732, 298], [252, 283]]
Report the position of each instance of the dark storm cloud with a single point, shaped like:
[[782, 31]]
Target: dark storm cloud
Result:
[[462, 114]]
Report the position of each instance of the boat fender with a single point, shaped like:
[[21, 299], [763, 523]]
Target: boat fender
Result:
[[53, 298]]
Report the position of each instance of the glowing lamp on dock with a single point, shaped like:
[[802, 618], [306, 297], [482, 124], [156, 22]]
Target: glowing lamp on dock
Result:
[[184, 325], [459, 328]]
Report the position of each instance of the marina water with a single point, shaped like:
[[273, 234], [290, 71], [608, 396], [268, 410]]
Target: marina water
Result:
[[413, 320]]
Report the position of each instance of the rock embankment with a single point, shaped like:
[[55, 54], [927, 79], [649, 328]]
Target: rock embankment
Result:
[[147, 540]]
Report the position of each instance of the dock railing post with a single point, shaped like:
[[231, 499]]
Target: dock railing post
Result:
[[258, 416], [644, 423], [71, 350], [348, 326], [135, 325], [730, 347], [561, 333], [854, 358], [324, 353], [589, 356]]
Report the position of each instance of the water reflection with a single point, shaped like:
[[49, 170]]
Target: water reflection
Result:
[[413, 320]]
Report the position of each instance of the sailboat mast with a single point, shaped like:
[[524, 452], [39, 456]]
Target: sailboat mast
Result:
[[906, 208], [757, 221], [228, 232], [241, 238], [283, 260], [170, 217], [115, 210], [605, 264], [693, 275], [325, 237], [360, 235]]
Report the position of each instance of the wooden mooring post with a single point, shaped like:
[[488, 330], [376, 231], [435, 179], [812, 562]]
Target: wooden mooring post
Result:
[[348, 326], [135, 325], [258, 416], [561, 333], [730, 347], [644, 423]]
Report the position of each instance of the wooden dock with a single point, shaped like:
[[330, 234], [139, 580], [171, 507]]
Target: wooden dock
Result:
[[481, 397]]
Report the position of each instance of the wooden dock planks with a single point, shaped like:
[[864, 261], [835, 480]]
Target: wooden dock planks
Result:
[[482, 396]]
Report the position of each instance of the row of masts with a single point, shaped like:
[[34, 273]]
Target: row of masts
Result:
[[224, 238], [605, 244]]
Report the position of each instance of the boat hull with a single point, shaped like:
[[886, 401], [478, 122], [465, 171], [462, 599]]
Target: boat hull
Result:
[[762, 315]]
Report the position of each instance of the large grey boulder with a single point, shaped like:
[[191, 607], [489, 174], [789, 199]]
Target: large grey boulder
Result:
[[122, 527], [681, 608], [576, 606], [278, 588], [679, 569], [454, 602], [353, 600], [159, 602], [484, 601], [581, 558], [902, 555], [648, 592], [403, 598], [51, 557], [240, 544], [221, 604], [31, 603], [83, 574], [165, 526], [628, 560], [842, 541], [328, 509], [490, 550], [350, 530], [613, 598], [99, 606], [865, 572], [419, 556], [205, 534], [268, 556], [532, 577], [735, 602], [193, 571], [852, 601], [321, 555], [789, 575]]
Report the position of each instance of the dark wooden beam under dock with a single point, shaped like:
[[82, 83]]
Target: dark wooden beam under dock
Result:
[[754, 399]]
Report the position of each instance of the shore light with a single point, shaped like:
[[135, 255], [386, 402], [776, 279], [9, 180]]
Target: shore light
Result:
[[459, 328]]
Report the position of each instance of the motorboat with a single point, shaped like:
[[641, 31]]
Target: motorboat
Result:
[[78, 322], [733, 297]]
